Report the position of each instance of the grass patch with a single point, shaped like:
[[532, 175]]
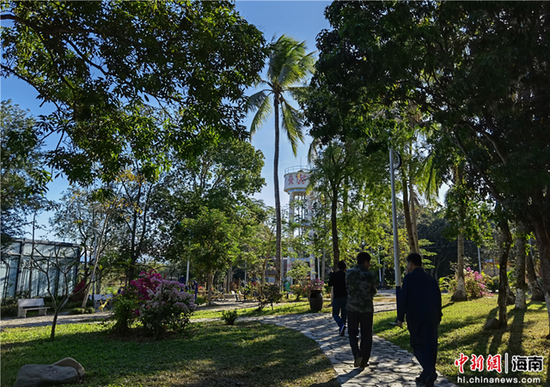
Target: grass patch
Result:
[[461, 331], [207, 354]]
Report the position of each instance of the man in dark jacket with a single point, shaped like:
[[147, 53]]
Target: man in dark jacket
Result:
[[361, 290], [420, 301], [340, 297]]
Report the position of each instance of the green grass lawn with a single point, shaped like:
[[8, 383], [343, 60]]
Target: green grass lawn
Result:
[[207, 354], [253, 354], [461, 331]]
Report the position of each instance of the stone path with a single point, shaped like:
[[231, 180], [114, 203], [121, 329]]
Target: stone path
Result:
[[392, 366]]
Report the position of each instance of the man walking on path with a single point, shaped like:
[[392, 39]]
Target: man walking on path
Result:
[[340, 297], [420, 301], [361, 289]]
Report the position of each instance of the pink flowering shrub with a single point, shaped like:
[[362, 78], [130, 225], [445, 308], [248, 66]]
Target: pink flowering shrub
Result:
[[159, 304], [474, 282], [145, 282], [167, 306]]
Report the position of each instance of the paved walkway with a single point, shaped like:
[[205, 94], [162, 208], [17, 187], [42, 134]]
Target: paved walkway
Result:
[[392, 366]]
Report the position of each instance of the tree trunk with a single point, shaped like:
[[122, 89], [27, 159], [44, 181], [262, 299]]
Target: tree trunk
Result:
[[543, 243], [209, 280], [264, 271], [333, 219], [520, 268], [229, 280], [277, 198], [460, 293], [503, 286], [537, 294]]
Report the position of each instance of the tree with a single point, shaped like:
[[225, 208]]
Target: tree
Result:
[[222, 177], [213, 243], [23, 180], [333, 166], [475, 68], [288, 65], [100, 63], [81, 216], [57, 265]]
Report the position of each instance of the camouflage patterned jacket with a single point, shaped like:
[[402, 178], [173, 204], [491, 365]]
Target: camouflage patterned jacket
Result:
[[361, 289]]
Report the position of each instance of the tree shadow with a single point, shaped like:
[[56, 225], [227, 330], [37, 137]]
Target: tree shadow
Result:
[[515, 343]]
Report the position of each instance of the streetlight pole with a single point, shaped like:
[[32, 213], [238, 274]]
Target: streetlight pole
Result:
[[395, 235], [394, 221]]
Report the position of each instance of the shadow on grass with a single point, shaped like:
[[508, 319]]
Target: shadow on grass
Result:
[[331, 383], [207, 354], [515, 345]]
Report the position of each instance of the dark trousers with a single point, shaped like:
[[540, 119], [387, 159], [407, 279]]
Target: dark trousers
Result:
[[424, 345], [363, 320], [339, 310]]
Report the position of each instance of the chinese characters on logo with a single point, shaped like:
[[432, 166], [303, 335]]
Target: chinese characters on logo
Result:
[[494, 363]]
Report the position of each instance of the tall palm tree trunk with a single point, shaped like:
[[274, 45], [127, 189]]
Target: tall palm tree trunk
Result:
[[277, 197]]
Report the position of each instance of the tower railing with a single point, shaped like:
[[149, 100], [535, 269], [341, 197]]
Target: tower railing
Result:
[[297, 168]]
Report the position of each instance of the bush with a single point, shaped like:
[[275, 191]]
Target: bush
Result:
[[9, 310], [229, 316], [474, 282], [299, 291], [445, 283], [125, 309], [168, 306], [200, 300], [269, 294], [159, 305]]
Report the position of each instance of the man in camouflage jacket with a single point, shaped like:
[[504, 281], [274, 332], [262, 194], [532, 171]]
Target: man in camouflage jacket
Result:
[[361, 290]]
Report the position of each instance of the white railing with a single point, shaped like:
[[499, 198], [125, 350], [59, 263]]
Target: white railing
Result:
[[297, 168]]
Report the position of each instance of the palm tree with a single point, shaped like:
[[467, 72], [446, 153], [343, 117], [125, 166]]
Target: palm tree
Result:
[[288, 65]]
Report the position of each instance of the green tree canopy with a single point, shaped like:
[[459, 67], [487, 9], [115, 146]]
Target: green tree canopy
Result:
[[100, 63], [479, 69], [23, 179]]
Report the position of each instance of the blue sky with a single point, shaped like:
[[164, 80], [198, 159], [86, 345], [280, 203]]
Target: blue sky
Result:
[[302, 20]]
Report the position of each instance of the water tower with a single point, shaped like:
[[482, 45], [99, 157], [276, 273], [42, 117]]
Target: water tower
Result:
[[300, 205]]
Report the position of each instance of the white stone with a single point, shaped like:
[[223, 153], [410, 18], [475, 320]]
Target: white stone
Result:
[[35, 375]]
